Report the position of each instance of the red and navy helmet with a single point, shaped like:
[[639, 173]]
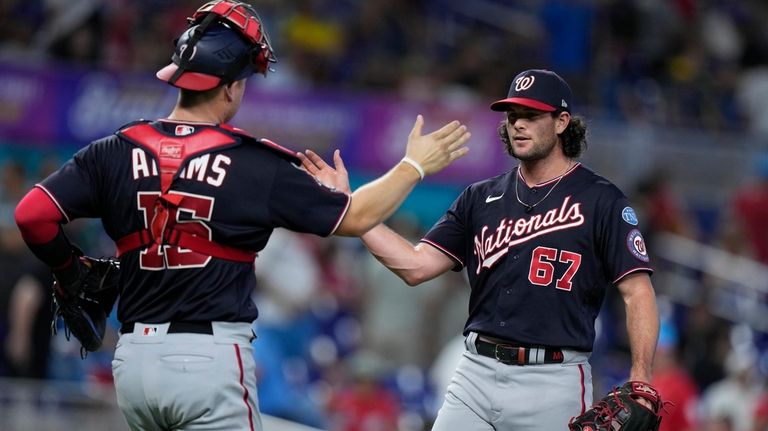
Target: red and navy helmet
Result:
[[226, 42]]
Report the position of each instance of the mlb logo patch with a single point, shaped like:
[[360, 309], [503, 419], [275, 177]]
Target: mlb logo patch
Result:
[[184, 130], [149, 331]]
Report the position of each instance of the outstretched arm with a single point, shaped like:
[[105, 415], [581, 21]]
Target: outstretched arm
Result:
[[414, 264], [642, 323], [376, 201]]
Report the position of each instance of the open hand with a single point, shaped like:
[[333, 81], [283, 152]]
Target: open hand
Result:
[[438, 149], [336, 178]]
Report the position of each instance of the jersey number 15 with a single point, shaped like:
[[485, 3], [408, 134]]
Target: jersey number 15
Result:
[[199, 208]]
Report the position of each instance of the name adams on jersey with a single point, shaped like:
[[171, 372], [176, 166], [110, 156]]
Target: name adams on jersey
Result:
[[208, 168]]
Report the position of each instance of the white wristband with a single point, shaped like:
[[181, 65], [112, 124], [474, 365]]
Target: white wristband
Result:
[[415, 165]]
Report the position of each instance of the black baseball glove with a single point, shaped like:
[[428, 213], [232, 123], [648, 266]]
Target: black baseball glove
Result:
[[85, 301], [620, 410]]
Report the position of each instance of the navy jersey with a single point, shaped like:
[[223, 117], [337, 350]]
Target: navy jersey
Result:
[[540, 277], [234, 196]]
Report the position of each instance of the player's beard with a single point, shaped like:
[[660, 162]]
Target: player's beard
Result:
[[540, 149]]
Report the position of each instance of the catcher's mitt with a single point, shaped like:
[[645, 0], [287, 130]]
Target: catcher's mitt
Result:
[[85, 302], [620, 410]]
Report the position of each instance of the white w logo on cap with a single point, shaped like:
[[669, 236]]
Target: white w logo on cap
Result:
[[524, 82]]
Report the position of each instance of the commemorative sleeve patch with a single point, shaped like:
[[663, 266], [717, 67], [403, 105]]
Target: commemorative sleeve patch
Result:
[[629, 216], [636, 245]]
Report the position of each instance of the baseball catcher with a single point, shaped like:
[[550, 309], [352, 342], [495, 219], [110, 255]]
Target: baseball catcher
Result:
[[621, 410], [85, 300]]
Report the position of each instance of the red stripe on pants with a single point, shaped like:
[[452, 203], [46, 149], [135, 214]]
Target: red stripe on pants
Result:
[[242, 384], [583, 389]]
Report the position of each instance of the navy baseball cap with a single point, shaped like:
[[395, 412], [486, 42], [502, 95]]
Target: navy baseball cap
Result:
[[538, 89], [220, 56]]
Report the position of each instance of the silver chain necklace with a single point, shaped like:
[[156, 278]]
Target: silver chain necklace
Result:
[[529, 207]]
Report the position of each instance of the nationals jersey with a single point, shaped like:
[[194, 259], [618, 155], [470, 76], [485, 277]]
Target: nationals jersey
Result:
[[539, 277], [231, 196]]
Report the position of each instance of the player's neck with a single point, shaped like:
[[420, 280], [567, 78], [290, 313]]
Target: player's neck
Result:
[[540, 171], [198, 114]]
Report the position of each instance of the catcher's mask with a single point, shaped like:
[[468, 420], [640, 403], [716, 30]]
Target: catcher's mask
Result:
[[226, 42]]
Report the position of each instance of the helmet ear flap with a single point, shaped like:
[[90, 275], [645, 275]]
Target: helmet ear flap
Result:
[[260, 59]]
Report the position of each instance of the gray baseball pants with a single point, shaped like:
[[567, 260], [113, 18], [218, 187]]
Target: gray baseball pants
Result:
[[487, 395], [185, 381]]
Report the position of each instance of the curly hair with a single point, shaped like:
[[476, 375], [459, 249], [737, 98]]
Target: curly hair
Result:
[[574, 137]]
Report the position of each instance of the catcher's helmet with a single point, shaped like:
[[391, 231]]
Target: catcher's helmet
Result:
[[226, 42]]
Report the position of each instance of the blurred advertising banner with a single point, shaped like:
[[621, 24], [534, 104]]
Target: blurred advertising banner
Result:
[[28, 102], [47, 105]]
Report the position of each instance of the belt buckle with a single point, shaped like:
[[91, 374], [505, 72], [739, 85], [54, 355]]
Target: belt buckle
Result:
[[519, 360], [497, 353]]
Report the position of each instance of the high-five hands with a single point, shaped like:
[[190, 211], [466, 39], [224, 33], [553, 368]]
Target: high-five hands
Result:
[[431, 152], [336, 178], [435, 151]]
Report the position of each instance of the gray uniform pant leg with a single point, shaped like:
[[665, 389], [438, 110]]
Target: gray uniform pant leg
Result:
[[487, 395], [185, 381]]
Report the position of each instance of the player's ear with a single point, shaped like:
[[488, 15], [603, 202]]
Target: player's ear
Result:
[[562, 120], [232, 89], [229, 91]]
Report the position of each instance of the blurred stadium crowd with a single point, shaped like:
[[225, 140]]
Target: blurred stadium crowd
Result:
[[343, 344], [696, 63]]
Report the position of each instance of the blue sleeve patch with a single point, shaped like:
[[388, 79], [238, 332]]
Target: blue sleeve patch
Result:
[[629, 216]]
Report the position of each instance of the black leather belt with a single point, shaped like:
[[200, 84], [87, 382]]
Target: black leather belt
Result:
[[178, 327], [519, 355]]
